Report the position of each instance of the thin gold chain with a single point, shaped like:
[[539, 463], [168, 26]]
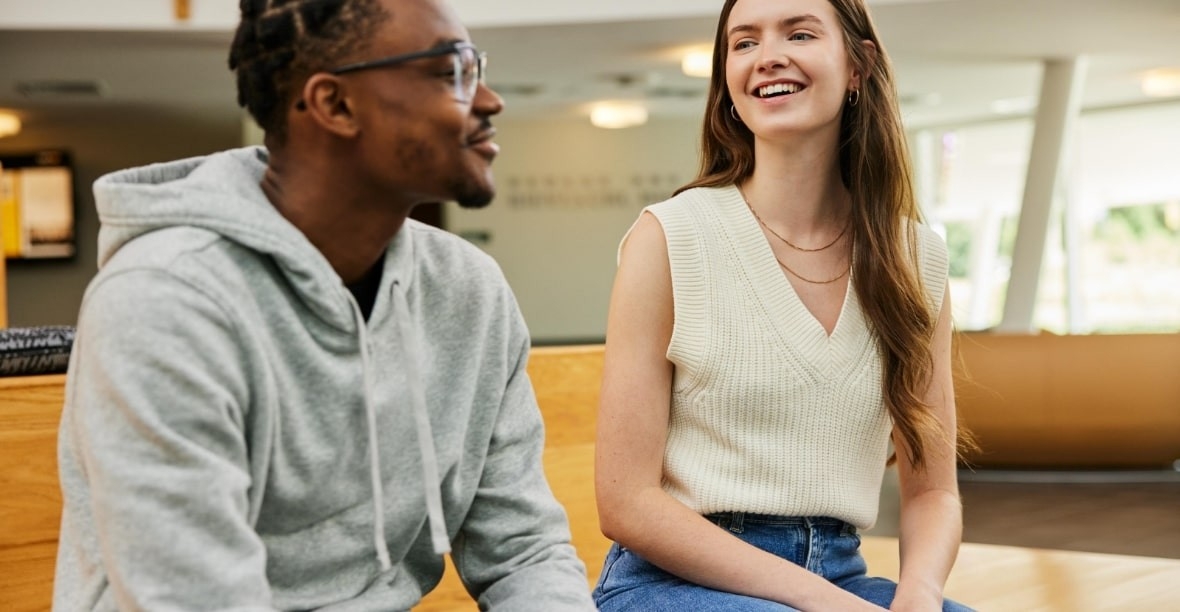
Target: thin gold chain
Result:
[[799, 248], [792, 244], [808, 280]]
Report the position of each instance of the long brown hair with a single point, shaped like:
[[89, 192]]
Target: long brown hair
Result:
[[875, 168]]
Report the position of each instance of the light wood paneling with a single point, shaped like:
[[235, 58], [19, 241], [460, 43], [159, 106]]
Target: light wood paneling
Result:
[[30, 505], [1098, 401], [567, 381]]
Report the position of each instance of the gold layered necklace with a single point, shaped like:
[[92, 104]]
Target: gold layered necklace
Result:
[[799, 248]]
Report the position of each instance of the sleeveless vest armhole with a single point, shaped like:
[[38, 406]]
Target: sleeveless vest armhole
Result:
[[690, 289], [934, 260]]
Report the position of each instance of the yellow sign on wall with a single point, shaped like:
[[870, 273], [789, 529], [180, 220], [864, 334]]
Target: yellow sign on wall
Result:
[[9, 213], [37, 206]]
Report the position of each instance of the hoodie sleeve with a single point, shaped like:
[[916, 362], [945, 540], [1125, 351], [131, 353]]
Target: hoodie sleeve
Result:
[[154, 424], [513, 551]]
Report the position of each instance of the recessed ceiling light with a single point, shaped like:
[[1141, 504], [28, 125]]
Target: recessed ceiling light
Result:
[[618, 114], [698, 63], [1161, 82], [9, 124]]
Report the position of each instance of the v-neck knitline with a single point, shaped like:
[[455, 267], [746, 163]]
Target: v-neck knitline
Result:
[[739, 247], [770, 282]]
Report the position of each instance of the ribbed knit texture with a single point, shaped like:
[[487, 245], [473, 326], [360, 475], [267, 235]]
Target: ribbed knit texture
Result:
[[769, 413]]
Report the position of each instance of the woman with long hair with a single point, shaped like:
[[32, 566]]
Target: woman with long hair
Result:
[[773, 327]]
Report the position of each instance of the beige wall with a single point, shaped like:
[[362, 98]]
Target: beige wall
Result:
[[101, 141], [566, 194]]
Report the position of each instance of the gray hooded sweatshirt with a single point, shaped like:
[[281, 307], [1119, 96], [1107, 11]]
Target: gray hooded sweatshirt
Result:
[[237, 437]]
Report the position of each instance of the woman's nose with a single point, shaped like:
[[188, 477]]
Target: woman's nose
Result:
[[772, 56]]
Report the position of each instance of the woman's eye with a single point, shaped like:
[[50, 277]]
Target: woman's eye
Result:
[[743, 44], [800, 36]]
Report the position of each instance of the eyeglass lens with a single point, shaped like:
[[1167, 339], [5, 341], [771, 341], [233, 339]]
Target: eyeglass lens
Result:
[[470, 68]]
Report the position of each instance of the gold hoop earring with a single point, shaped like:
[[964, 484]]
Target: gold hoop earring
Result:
[[733, 113], [854, 97]]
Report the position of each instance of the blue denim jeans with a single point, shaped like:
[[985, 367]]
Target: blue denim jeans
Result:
[[825, 546]]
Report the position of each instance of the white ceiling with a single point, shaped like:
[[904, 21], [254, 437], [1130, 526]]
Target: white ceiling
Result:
[[953, 59]]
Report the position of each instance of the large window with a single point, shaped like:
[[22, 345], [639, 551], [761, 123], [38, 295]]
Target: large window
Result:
[[977, 201], [1127, 198], [1112, 255]]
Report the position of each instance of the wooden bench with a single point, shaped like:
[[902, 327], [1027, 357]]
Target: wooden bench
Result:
[[1092, 401], [30, 499], [987, 577]]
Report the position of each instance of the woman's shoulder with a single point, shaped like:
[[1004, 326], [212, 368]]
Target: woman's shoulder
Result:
[[681, 219], [933, 259], [695, 198], [931, 245]]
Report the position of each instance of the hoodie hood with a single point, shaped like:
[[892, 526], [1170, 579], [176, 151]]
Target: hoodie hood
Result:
[[221, 193]]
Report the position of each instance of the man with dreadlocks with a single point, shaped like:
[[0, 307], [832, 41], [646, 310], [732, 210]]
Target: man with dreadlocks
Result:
[[284, 394]]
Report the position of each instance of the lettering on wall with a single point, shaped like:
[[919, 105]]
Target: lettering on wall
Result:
[[587, 191]]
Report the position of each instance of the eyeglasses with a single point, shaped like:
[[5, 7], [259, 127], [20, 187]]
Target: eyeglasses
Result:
[[470, 66]]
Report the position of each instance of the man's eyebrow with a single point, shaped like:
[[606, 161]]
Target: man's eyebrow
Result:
[[786, 23]]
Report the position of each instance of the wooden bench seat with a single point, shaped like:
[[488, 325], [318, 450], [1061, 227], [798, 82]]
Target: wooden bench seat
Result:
[[987, 577], [1097, 401], [30, 499], [566, 379]]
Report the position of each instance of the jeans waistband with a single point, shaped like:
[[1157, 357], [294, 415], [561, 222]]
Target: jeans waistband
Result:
[[735, 521]]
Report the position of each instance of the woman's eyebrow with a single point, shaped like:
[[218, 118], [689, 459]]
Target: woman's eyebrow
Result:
[[789, 22]]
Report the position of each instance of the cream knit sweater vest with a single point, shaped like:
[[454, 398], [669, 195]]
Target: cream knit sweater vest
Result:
[[769, 414]]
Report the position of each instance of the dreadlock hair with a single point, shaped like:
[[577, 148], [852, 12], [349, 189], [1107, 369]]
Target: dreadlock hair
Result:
[[279, 43]]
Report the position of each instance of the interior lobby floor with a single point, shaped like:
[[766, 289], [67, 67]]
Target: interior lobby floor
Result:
[[1127, 513]]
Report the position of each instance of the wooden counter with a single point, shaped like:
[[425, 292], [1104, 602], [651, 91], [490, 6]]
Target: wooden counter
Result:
[[1095, 401]]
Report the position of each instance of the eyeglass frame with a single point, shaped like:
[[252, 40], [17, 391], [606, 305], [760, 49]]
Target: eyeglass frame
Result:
[[456, 48]]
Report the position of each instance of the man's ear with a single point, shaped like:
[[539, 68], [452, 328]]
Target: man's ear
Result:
[[862, 74], [326, 102]]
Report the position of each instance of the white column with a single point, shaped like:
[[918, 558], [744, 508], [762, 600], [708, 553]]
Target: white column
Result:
[[926, 156], [1072, 229], [1057, 112], [985, 250]]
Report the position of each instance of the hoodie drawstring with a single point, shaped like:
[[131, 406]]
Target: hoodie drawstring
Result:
[[430, 476], [431, 481], [374, 453]]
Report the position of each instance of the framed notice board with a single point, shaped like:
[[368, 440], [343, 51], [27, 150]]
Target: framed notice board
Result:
[[37, 219]]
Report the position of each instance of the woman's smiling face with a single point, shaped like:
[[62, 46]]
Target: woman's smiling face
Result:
[[786, 67]]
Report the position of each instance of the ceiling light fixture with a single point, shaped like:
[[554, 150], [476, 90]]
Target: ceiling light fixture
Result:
[[9, 124], [618, 115], [697, 63], [1161, 82]]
